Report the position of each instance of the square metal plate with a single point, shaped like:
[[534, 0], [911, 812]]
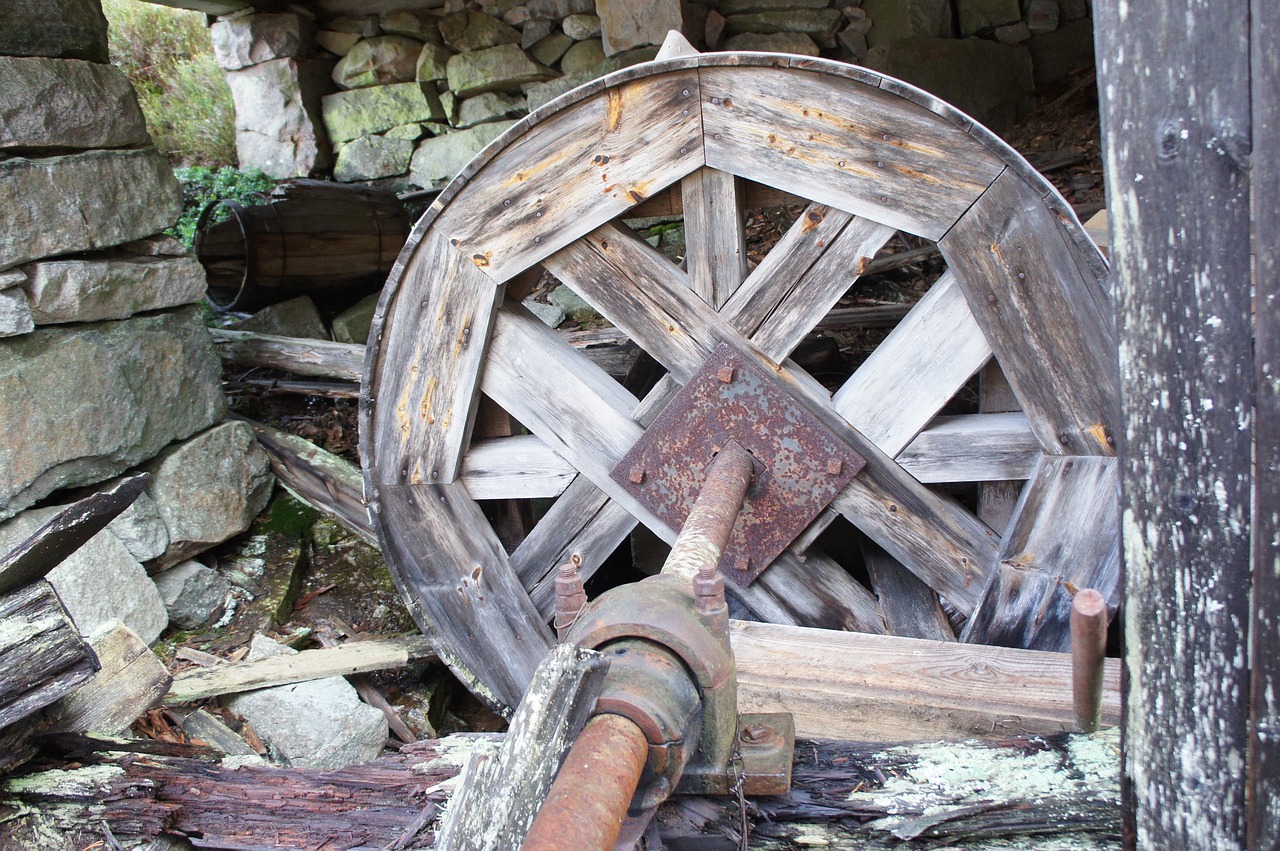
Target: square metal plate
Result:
[[800, 465]]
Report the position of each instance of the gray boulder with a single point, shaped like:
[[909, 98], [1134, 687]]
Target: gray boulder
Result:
[[112, 286], [978, 15], [352, 324], [362, 112], [819, 24], [378, 61], [15, 312], [432, 62], [574, 306], [297, 317], [1056, 55], [990, 81], [549, 50], [491, 106], [422, 25], [67, 29], [339, 44], [209, 488], [374, 157], [67, 103], [551, 315], [504, 68], [1042, 16], [251, 39], [582, 56], [581, 27], [102, 398], [557, 10], [80, 202], [193, 594], [278, 124], [438, 160], [471, 30], [141, 529], [625, 24], [99, 582], [317, 724], [894, 20], [738, 7], [797, 43]]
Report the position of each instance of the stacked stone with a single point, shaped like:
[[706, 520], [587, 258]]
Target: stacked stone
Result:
[[422, 88], [105, 362]]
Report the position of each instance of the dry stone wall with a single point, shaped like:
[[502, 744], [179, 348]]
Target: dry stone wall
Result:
[[411, 94], [106, 365]]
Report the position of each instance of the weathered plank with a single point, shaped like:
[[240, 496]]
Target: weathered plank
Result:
[[131, 681], [354, 657], [996, 499], [575, 170], [457, 582], [811, 590], [923, 362], [423, 394], [1176, 124], [973, 448], [715, 242], [42, 656], [849, 685], [845, 144], [494, 808], [1264, 743], [910, 608], [1048, 323], [293, 354], [515, 467], [1065, 535], [319, 478]]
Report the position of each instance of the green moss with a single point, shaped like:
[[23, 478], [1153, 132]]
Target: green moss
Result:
[[289, 517]]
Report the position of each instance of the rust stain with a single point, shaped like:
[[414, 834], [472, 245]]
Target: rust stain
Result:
[[1102, 436], [812, 220], [636, 195], [862, 265], [600, 159], [608, 190], [482, 260], [428, 397], [464, 336], [614, 103], [916, 174]]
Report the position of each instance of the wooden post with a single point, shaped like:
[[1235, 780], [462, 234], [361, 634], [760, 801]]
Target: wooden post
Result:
[[1174, 84], [1264, 768]]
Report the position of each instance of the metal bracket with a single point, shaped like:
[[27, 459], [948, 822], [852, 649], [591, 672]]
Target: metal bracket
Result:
[[766, 748], [800, 464]]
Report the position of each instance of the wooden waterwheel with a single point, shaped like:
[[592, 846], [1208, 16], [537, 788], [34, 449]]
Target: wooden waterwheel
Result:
[[873, 156]]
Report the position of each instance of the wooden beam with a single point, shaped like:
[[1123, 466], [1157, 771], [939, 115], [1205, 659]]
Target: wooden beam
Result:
[[847, 685], [42, 656], [292, 354], [131, 681], [1264, 744], [355, 657], [1175, 119]]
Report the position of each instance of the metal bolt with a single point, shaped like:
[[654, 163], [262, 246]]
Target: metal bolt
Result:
[[708, 590], [637, 475], [537, 239], [725, 374], [742, 563], [684, 92], [754, 734], [684, 150], [834, 466], [506, 202]]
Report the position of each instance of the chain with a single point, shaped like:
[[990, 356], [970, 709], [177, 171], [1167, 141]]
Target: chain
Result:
[[742, 802]]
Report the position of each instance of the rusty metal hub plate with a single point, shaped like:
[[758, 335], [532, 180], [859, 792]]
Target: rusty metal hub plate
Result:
[[799, 464]]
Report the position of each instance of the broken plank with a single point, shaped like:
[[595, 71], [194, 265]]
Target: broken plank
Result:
[[1064, 536], [516, 467], [301, 356], [42, 656], [132, 680], [910, 608], [351, 658], [848, 685]]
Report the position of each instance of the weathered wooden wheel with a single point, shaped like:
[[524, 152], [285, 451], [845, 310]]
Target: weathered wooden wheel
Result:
[[873, 155]]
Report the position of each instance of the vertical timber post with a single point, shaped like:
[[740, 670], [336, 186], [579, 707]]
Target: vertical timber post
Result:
[[1173, 79], [1264, 762]]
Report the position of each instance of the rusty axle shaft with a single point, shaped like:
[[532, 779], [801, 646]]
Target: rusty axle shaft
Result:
[[1088, 652], [706, 532]]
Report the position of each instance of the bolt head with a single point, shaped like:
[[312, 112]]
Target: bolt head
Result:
[[834, 467], [725, 374], [754, 734], [637, 475]]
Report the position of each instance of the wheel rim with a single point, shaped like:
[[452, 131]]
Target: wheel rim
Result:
[[878, 156]]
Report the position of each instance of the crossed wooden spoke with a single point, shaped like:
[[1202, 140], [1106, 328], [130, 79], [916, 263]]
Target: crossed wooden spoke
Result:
[[877, 157]]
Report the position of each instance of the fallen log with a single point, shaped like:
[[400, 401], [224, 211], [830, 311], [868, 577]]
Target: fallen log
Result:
[[356, 657], [1027, 792], [298, 355]]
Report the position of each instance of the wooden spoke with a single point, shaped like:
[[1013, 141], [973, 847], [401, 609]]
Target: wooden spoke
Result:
[[910, 607], [1047, 320], [1065, 536], [715, 243], [916, 370], [972, 448], [425, 417], [519, 467]]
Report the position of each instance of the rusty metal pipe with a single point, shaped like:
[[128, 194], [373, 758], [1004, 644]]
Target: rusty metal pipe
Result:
[[1088, 652], [706, 532], [588, 801]]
